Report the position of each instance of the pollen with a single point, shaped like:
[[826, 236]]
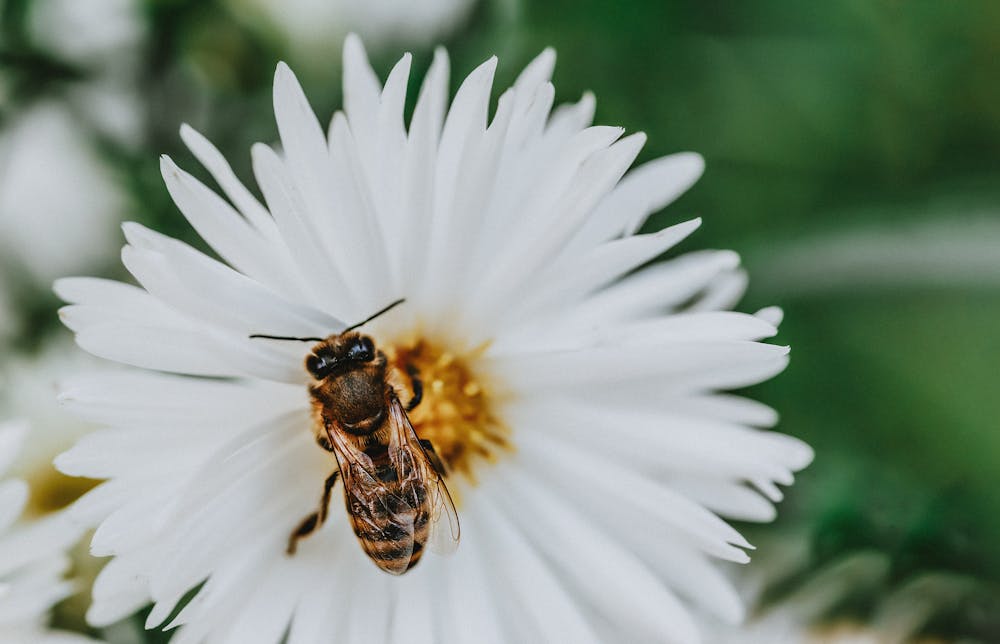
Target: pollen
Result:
[[457, 413]]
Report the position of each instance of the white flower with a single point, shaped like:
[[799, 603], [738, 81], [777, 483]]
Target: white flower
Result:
[[29, 386], [314, 28], [802, 616], [577, 410], [59, 206], [32, 558], [86, 32], [102, 39]]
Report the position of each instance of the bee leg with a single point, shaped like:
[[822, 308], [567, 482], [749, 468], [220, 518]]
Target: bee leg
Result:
[[314, 520], [324, 508], [433, 455], [305, 528], [418, 387]]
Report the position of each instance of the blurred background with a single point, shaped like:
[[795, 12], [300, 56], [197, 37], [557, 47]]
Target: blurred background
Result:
[[853, 158]]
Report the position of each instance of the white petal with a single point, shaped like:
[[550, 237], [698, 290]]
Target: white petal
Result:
[[110, 453], [695, 578], [161, 349], [685, 362], [474, 192], [658, 288], [204, 288], [361, 88], [596, 176], [416, 608], [535, 593], [662, 443], [418, 174], [619, 495], [643, 191], [131, 398], [771, 314], [37, 541], [227, 232], [649, 333], [12, 436], [266, 612], [473, 594], [328, 183], [119, 590], [353, 217], [728, 498], [724, 293], [91, 508], [133, 525], [465, 123], [323, 280], [368, 608], [614, 583], [101, 292], [316, 614], [13, 496], [223, 174], [536, 73], [575, 277], [570, 118]]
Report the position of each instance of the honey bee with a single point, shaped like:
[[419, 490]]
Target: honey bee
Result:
[[393, 480]]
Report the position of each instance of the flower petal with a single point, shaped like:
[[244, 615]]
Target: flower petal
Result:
[[613, 582], [546, 609]]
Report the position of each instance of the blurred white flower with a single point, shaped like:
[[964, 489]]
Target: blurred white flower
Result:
[[803, 616], [313, 29], [103, 39], [87, 32], [59, 205], [29, 387], [32, 557], [940, 251], [574, 400]]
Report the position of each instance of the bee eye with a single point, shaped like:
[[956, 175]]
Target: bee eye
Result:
[[321, 365], [363, 350]]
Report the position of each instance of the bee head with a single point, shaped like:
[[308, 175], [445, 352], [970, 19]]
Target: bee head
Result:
[[340, 353]]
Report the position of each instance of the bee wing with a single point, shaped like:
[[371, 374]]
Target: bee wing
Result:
[[444, 528], [423, 484], [383, 521]]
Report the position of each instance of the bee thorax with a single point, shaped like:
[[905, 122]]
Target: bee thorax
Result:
[[353, 400]]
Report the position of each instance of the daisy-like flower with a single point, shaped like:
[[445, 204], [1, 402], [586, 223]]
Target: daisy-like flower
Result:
[[575, 402], [803, 616], [32, 557], [29, 386]]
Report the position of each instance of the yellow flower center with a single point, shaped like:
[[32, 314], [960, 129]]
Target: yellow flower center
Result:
[[456, 414], [51, 490]]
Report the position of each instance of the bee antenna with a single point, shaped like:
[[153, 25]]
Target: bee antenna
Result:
[[284, 337], [350, 328], [374, 315]]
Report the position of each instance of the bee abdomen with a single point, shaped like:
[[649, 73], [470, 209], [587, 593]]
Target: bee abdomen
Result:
[[389, 534], [389, 545]]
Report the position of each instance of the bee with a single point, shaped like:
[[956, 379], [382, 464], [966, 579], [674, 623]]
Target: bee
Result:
[[393, 480]]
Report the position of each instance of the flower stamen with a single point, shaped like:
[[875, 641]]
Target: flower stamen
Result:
[[457, 412]]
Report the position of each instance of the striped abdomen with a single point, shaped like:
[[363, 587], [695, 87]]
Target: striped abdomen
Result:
[[390, 518]]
